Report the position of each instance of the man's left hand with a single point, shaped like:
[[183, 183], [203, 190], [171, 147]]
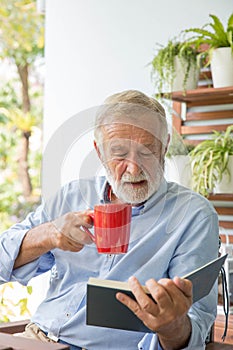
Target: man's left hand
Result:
[[166, 313]]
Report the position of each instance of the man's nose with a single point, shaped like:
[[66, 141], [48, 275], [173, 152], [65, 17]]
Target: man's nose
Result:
[[133, 167]]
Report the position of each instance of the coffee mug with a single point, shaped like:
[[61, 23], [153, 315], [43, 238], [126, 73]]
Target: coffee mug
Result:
[[111, 228]]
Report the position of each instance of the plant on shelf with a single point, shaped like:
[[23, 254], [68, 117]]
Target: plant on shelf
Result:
[[218, 37], [177, 57], [177, 161], [215, 44], [209, 161]]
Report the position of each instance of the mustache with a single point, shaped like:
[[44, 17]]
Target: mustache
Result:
[[131, 178]]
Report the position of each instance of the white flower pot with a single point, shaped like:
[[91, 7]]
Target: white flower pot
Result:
[[226, 185], [192, 79], [179, 73], [222, 67], [178, 169]]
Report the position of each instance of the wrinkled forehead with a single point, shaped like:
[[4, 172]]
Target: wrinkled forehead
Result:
[[130, 118], [127, 131]]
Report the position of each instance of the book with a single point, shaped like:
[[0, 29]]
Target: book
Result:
[[104, 310]]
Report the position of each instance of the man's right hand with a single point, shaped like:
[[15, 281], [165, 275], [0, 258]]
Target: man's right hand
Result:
[[68, 233], [65, 233]]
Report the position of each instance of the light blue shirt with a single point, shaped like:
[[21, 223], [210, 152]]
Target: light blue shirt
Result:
[[174, 232]]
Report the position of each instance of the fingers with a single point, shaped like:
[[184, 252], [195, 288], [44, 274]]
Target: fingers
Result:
[[159, 293], [173, 301], [177, 291], [184, 285], [145, 302], [169, 301], [144, 307], [135, 308], [65, 243], [81, 221], [69, 232], [79, 235]]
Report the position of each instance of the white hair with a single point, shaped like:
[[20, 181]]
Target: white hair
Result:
[[136, 108]]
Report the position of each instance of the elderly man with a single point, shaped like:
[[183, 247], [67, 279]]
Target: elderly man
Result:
[[173, 231]]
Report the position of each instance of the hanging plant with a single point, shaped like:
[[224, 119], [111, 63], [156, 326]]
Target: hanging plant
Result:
[[209, 161], [163, 64]]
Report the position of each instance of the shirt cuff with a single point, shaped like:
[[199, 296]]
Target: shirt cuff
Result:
[[150, 341], [10, 246], [10, 250]]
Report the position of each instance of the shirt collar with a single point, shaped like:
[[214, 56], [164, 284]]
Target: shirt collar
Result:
[[104, 194]]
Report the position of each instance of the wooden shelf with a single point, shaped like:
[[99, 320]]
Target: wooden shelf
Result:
[[196, 124], [10, 342], [218, 346], [186, 121], [228, 197], [212, 95], [224, 209], [219, 328]]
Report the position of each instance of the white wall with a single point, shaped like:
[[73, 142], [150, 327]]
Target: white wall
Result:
[[95, 48]]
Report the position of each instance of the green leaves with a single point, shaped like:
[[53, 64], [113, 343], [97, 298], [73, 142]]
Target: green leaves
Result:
[[230, 22], [21, 42], [14, 301], [163, 63], [220, 35], [3, 118], [217, 36], [29, 290], [13, 123], [209, 161], [23, 306], [22, 31], [22, 121]]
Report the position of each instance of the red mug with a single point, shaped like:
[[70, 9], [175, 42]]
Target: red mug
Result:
[[111, 228]]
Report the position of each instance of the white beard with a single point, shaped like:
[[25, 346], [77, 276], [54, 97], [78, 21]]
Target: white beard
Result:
[[125, 191]]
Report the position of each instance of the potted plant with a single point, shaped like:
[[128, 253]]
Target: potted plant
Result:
[[212, 163], [219, 49], [174, 67], [177, 161]]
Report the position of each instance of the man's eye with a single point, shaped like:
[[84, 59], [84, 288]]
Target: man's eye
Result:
[[147, 154], [119, 152]]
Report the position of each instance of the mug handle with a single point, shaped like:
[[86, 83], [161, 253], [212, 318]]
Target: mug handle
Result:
[[89, 232]]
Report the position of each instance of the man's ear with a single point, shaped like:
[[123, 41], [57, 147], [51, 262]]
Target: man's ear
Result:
[[97, 150]]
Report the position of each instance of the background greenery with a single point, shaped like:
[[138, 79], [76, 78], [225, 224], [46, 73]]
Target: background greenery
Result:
[[21, 101]]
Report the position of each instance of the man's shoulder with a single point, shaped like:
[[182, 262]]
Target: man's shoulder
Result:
[[95, 182], [187, 195]]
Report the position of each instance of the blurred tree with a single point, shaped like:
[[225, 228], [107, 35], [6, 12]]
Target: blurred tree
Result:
[[11, 307], [21, 42], [21, 46]]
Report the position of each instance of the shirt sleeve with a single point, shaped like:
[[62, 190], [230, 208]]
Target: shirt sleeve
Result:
[[10, 242], [150, 341], [197, 340]]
